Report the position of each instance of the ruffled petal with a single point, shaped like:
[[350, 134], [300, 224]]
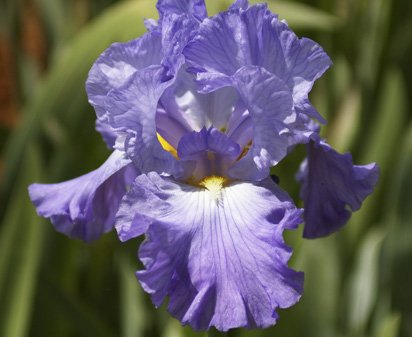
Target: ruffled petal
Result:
[[182, 102], [220, 258], [116, 65], [197, 8], [207, 140], [208, 153], [220, 47], [270, 106], [133, 113], [243, 4], [306, 62], [120, 63], [84, 208], [254, 36], [108, 134], [176, 31], [332, 187], [132, 108]]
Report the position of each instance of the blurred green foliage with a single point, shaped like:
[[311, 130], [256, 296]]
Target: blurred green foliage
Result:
[[357, 281]]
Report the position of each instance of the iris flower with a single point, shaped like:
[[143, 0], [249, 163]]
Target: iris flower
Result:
[[197, 111]]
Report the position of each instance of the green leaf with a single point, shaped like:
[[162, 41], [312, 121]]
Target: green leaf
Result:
[[363, 286], [173, 329], [53, 15], [345, 126], [214, 7], [319, 260], [374, 25], [399, 196], [389, 120], [382, 144], [317, 310], [298, 15], [302, 16], [21, 240], [398, 247], [132, 310], [81, 315], [390, 326]]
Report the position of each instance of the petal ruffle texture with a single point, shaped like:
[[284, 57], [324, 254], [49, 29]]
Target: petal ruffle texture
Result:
[[84, 208], [207, 140], [133, 112], [197, 8], [270, 107], [332, 185], [182, 102], [115, 67], [254, 36], [108, 134], [132, 109], [207, 153], [220, 258]]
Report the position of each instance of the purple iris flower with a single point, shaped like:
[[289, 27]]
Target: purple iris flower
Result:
[[197, 111]]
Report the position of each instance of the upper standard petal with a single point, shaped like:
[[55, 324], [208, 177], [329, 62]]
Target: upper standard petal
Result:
[[133, 113], [254, 36], [183, 103], [270, 107], [121, 62], [197, 8], [118, 63]]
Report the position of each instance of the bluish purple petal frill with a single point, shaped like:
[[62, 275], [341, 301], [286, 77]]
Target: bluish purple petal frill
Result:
[[183, 103], [254, 36], [114, 68], [158, 51], [270, 107], [84, 208], [332, 187], [176, 31], [132, 109], [207, 140], [197, 8], [196, 149], [132, 112], [108, 134], [240, 4], [220, 258]]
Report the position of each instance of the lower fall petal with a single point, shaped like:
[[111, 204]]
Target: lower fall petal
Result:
[[84, 207], [332, 187], [218, 255]]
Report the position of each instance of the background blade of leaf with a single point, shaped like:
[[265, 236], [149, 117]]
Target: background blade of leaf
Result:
[[398, 248], [86, 321], [132, 312], [298, 15], [363, 286], [390, 326], [374, 17], [302, 16], [399, 197], [382, 142], [19, 276]]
